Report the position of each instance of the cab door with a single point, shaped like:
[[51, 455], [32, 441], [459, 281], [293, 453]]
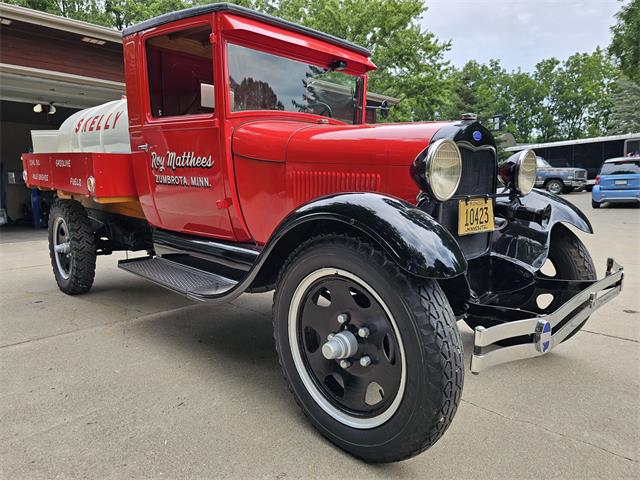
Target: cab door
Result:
[[181, 130]]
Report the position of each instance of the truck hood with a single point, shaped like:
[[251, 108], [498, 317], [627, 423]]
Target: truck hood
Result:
[[302, 142]]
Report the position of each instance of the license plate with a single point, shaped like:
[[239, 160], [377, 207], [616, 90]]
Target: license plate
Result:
[[475, 216], [621, 182]]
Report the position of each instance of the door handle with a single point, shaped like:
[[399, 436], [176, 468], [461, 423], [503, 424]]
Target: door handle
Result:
[[144, 146]]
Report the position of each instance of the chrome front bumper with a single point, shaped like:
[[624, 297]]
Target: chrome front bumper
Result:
[[487, 354]]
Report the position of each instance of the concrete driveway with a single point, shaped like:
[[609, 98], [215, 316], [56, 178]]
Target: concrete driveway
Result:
[[131, 381]]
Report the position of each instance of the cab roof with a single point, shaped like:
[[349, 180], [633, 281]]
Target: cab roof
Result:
[[245, 12]]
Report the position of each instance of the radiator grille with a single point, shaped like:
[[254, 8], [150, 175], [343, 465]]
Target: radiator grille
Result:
[[307, 185], [479, 177]]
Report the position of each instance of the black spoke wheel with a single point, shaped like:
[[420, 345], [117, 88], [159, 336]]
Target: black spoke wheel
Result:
[[372, 355], [365, 394], [71, 247]]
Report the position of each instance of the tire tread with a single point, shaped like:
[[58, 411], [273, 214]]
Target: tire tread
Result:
[[440, 336], [82, 244]]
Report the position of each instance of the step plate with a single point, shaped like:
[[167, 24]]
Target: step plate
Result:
[[177, 277]]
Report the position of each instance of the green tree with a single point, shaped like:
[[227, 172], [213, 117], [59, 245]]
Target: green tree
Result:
[[86, 10], [625, 110], [625, 44], [581, 94], [525, 103], [478, 88]]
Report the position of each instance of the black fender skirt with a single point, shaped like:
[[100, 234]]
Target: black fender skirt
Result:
[[528, 242]]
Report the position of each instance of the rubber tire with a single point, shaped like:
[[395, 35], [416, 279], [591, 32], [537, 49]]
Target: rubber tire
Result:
[[595, 204], [560, 191], [433, 350], [572, 262], [588, 188], [83, 248]]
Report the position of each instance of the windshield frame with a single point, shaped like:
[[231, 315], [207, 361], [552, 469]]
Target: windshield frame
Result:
[[360, 86]]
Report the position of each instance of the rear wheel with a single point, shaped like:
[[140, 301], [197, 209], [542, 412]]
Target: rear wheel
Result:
[[555, 186], [71, 247], [373, 357]]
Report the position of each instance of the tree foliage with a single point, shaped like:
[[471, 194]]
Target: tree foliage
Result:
[[569, 99], [625, 44], [625, 111]]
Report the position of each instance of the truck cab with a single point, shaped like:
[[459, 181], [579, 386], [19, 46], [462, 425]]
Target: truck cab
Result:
[[242, 161], [202, 88]]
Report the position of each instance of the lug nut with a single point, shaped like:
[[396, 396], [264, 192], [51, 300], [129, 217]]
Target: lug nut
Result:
[[343, 318], [365, 361], [330, 336], [363, 332], [345, 363]]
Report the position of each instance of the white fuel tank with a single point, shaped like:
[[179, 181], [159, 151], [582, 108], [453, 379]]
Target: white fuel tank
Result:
[[100, 129]]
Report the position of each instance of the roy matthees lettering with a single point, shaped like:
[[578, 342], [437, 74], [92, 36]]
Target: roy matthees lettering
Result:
[[172, 162]]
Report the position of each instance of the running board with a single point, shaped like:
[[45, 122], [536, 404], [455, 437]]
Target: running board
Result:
[[189, 281]]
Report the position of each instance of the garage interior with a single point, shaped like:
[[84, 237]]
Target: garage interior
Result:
[[50, 67]]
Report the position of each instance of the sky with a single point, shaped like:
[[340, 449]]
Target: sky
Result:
[[520, 33]]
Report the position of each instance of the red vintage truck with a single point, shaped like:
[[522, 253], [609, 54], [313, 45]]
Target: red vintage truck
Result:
[[244, 160]]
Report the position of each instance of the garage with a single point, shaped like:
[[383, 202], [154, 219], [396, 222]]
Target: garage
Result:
[[50, 67]]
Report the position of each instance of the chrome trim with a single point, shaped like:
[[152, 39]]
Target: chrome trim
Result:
[[590, 298]]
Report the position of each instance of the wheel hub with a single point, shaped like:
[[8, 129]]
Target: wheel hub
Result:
[[62, 247], [342, 345]]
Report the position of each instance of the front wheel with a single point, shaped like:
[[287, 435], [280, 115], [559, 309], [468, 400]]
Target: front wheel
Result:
[[373, 357], [71, 247], [595, 204], [568, 259]]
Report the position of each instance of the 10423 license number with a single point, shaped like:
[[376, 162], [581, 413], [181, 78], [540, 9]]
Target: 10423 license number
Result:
[[475, 216]]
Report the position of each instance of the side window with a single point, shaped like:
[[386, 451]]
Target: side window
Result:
[[180, 68]]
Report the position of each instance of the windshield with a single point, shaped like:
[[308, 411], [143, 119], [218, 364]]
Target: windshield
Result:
[[542, 162], [621, 168], [261, 81]]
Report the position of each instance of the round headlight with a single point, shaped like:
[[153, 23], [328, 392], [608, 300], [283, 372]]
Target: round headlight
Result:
[[519, 172], [526, 170], [443, 169]]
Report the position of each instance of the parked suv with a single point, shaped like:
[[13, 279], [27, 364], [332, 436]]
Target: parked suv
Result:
[[617, 182], [560, 179]]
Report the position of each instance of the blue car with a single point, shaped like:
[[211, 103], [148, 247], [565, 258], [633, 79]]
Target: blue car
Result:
[[617, 182]]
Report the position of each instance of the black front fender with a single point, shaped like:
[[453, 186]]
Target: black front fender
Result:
[[561, 210], [409, 236], [528, 242]]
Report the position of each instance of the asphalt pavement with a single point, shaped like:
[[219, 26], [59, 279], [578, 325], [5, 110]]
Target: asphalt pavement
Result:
[[132, 381]]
